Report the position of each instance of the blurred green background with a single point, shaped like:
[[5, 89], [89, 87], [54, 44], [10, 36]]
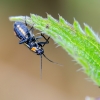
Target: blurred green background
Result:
[[20, 68]]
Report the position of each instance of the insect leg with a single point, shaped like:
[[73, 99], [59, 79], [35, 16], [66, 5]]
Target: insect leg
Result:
[[43, 43], [31, 29], [22, 41], [25, 21], [45, 39], [38, 37]]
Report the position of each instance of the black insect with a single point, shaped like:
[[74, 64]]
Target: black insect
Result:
[[27, 37]]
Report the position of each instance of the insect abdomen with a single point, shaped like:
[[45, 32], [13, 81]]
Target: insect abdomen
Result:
[[21, 30]]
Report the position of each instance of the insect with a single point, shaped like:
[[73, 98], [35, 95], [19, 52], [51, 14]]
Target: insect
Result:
[[27, 37]]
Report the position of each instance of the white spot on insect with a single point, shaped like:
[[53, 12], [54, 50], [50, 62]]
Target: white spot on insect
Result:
[[22, 31]]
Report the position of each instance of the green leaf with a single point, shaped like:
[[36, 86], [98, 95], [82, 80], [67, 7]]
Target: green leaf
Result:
[[82, 45]]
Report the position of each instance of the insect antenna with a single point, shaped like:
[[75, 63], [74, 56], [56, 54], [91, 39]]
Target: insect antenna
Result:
[[51, 60], [41, 66]]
